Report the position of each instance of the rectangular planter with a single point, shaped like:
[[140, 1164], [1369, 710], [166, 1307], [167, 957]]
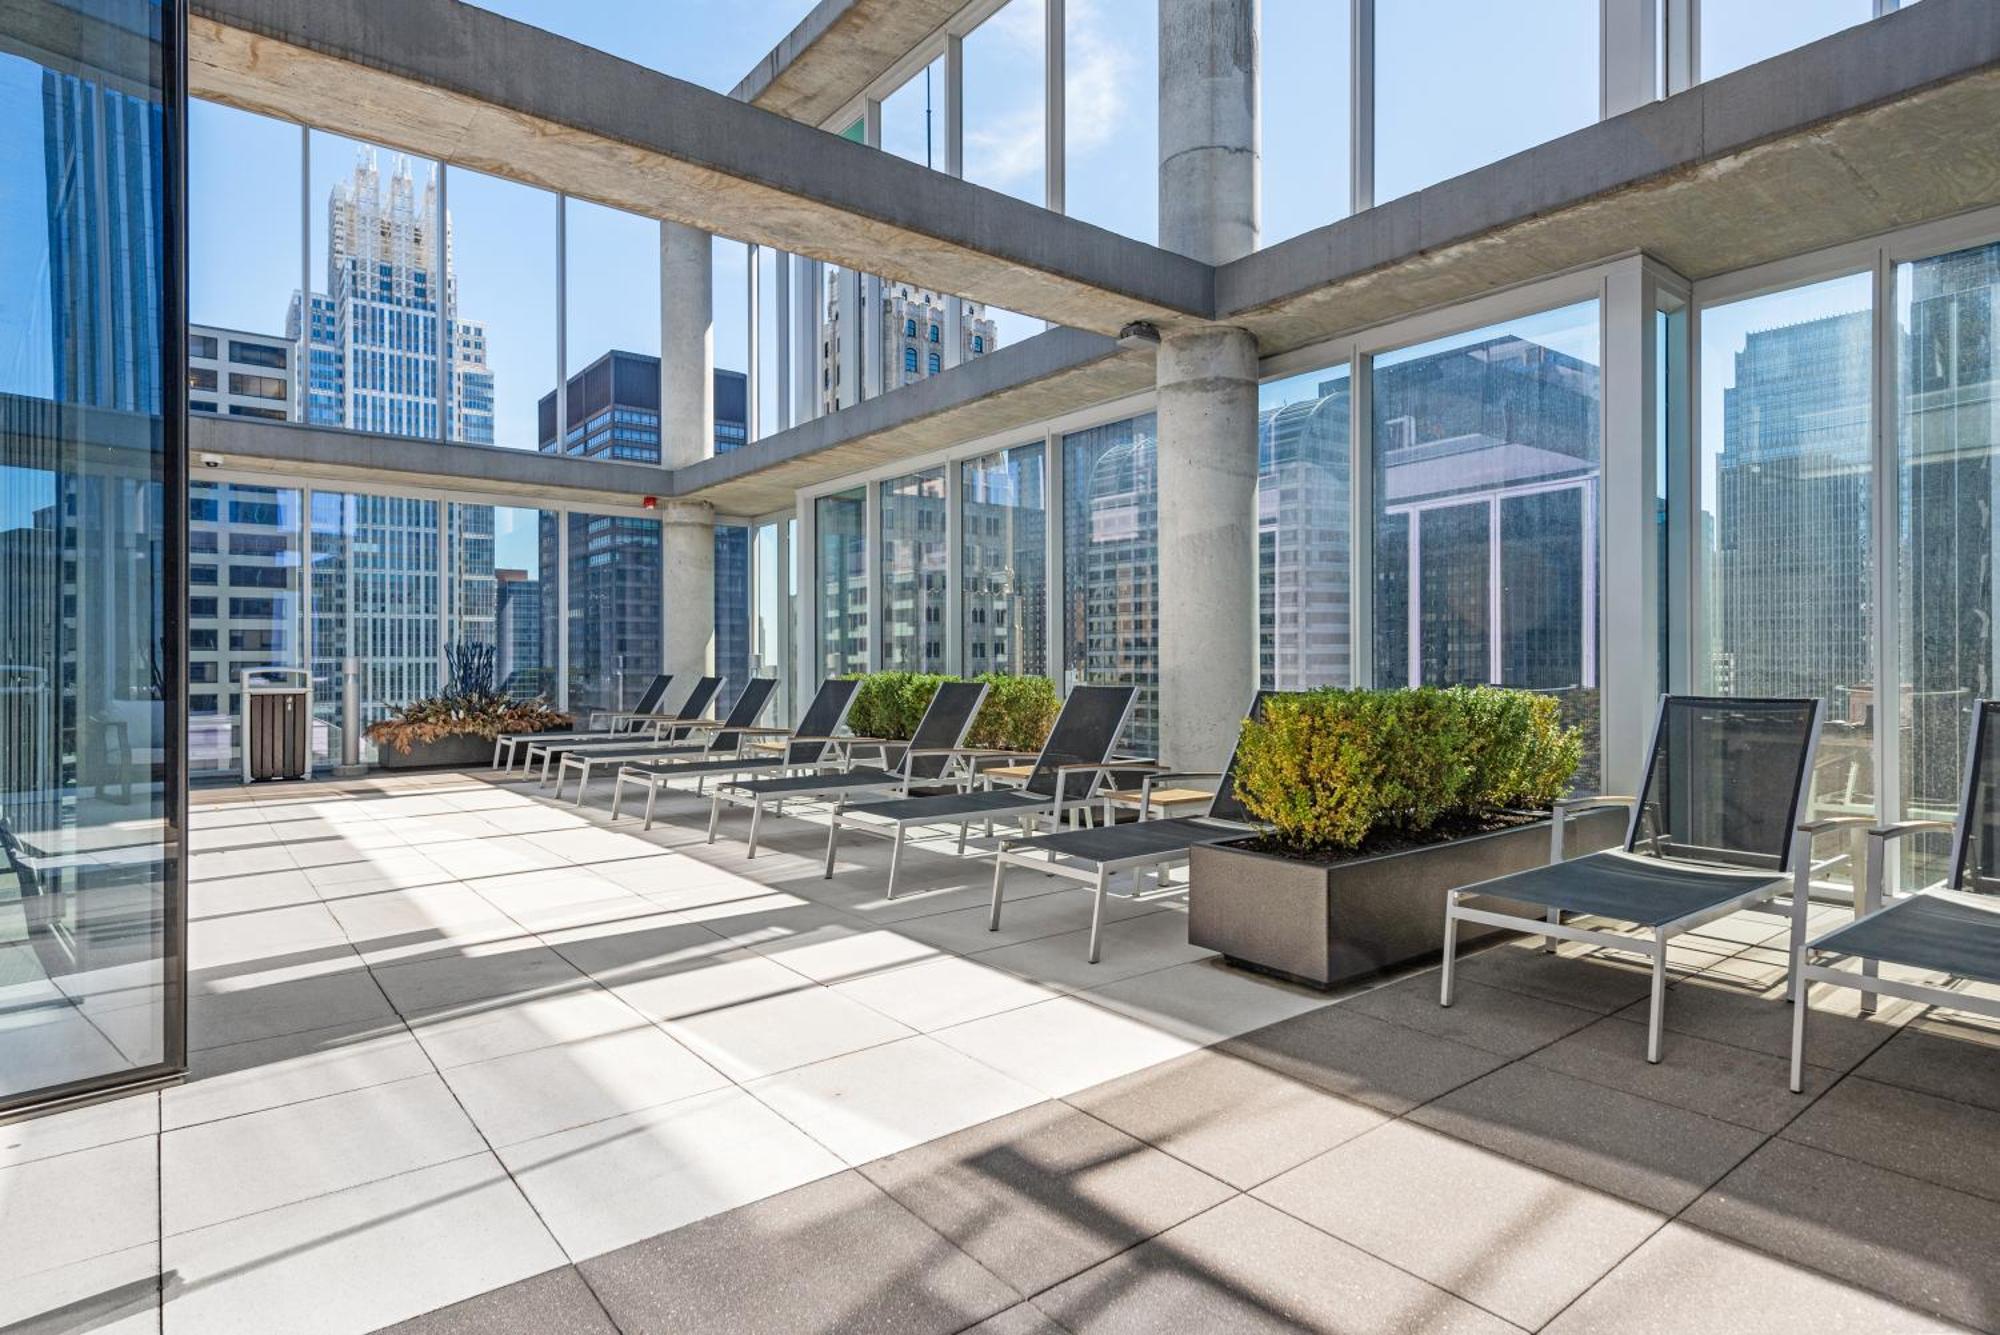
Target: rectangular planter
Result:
[[1326, 923], [445, 753]]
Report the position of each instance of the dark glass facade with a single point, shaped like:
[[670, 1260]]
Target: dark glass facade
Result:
[[92, 515]]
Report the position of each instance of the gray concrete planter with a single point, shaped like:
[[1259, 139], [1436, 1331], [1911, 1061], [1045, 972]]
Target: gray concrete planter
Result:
[[1325, 923], [468, 752]]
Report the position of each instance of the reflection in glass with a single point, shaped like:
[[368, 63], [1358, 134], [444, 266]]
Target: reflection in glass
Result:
[[840, 526], [375, 600], [615, 595], [1004, 525], [1302, 528], [1948, 434], [1111, 566], [1486, 467], [732, 610], [1783, 542], [245, 608], [1444, 69], [91, 972], [372, 339], [500, 246], [913, 572]]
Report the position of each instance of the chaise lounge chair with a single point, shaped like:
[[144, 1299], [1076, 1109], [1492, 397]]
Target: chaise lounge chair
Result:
[[1079, 748], [1712, 831], [935, 755], [667, 729], [650, 707], [726, 737], [1952, 928], [1094, 856]]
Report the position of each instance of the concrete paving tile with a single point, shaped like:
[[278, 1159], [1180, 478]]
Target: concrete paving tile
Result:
[[1922, 1245], [551, 1089], [555, 1302], [480, 1031], [271, 1072], [941, 992], [1359, 1057], [765, 1035], [833, 1256], [1245, 1266], [251, 1008], [1646, 1152], [69, 1208], [1517, 1241], [1954, 1057], [1022, 1319], [1044, 1193], [1836, 1036], [1063, 1045], [1575, 976], [117, 1293], [516, 970], [1495, 1019], [1206, 1000], [1684, 1281], [1233, 1119], [1939, 1140], [84, 1128]]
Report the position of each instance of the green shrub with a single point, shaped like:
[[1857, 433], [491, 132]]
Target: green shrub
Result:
[[1018, 713], [890, 704], [1331, 769]]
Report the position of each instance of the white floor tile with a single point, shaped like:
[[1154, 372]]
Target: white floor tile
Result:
[[1206, 1001], [1129, 946], [59, 1211], [1064, 1045], [944, 991], [273, 935], [86, 1128], [240, 1008], [478, 1031], [1026, 919], [515, 970], [611, 1183], [113, 1294], [269, 1073], [775, 1033], [552, 1089], [836, 952], [884, 1099]]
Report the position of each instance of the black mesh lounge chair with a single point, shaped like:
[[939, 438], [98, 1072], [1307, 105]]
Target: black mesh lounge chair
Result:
[[1952, 928], [650, 707], [668, 728], [1712, 831], [1094, 856], [1072, 762], [934, 756], [725, 737], [803, 748]]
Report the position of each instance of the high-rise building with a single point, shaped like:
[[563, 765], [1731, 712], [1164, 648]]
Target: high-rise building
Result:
[[1302, 526], [519, 668], [914, 334]]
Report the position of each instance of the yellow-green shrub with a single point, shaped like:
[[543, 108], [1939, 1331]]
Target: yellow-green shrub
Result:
[[1329, 769], [1016, 716], [890, 704]]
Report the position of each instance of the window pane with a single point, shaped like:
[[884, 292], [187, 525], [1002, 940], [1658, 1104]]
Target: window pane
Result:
[[503, 307], [1004, 111], [841, 525], [913, 117], [913, 572], [375, 598], [1004, 528], [1785, 520], [1948, 433], [1733, 36], [611, 256], [614, 609], [1111, 115], [1302, 527], [373, 363], [1461, 83], [767, 633], [244, 607], [731, 334], [732, 610], [1486, 449], [244, 237], [1111, 566], [1304, 47], [498, 586]]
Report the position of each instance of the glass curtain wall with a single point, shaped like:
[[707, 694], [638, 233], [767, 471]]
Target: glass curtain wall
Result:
[[1947, 439], [1003, 541], [1111, 565], [1785, 540], [914, 572], [1304, 586], [1006, 122], [1733, 36], [840, 527], [1486, 469], [767, 640], [732, 610], [245, 608], [92, 511], [502, 585], [615, 598], [375, 599], [243, 235]]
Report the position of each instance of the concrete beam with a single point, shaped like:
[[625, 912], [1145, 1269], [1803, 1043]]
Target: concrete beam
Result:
[[1878, 127], [457, 82], [836, 51], [1013, 387], [363, 459]]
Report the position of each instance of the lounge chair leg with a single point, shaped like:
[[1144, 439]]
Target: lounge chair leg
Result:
[[1450, 949], [1097, 911], [582, 782], [617, 791], [1870, 1001], [999, 872], [1656, 1014], [962, 828], [1555, 915], [895, 857], [832, 839], [1800, 1005], [714, 814], [652, 796], [756, 819]]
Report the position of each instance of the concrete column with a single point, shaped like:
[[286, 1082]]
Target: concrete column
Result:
[[1207, 542], [1208, 128], [687, 550], [687, 434], [687, 345]]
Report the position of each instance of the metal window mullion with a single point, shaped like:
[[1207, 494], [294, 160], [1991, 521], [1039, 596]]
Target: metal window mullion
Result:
[[1360, 523], [1628, 67], [1054, 113], [954, 567], [444, 599], [440, 295], [1055, 656], [562, 606], [562, 340], [954, 166], [781, 341], [1361, 106], [754, 373], [303, 367], [1494, 630], [1887, 549], [1681, 61]]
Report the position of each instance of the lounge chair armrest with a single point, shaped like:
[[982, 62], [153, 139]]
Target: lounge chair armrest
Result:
[[1902, 828], [1149, 766], [1565, 806], [1827, 824]]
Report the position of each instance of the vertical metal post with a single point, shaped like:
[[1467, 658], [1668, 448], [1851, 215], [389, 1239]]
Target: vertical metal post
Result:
[[1629, 58], [781, 340], [954, 566], [754, 366], [1361, 107], [1360, 522], [1054, 114], [562, 333], [350, 716], [1055, 661], [1682, 59], [561, 592], [302, 355], [954, 166], [1886, 542], [441, 299]]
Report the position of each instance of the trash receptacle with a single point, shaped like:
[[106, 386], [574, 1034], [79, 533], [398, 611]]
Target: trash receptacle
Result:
[[277, 723]]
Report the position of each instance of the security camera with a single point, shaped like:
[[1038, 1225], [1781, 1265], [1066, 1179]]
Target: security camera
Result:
[[211, 461]]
